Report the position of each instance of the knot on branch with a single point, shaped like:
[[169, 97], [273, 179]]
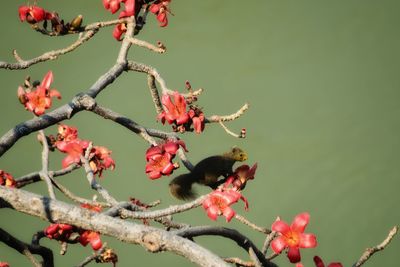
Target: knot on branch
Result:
[[152, 242], [84, 101]]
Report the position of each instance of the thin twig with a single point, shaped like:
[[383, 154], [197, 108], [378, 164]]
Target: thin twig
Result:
[[126, 44], [252, 225], [239, 262], [92, 257], [154, 93], [92, 181], [158, 49], [273, 255], [243, 241], [164, 212], [371, 251], [35, 176], [267, 242], [231, 117], [169, 223], [229, 131], [75, 198], [44, 173], [140, 67], [51, 55]]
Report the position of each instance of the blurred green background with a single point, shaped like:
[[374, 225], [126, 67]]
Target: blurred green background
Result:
[[322, 79]]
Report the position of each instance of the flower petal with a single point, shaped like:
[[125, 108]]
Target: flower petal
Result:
[[22, 11], [47, 80], [213, 212], [171, 147], [130, 7], [55, 93], [154, 150], [183, 118], [228, 213], [300, 222], [281, 227], [318, 262], [154, 175], [294, 254], [278, 244], [308, 241], [167, 170]]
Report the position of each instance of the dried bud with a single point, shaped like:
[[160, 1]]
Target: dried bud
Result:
[[27, 82], [21, 95], [243, 133], [107, 256], [161, 45], [188, 86], [76, 23]]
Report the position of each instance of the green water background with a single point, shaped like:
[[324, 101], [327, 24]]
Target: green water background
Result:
[[322, 79]]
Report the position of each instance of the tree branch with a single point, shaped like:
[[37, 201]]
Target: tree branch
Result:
[[371, 251], [153, 239], [232, 234], [28, 249]]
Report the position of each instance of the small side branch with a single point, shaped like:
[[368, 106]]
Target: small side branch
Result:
[[140, 67], [252, 225], [75, 198], [151, 82], [158, 49], [371, 251], [44, 173], [92, 257], [240, 262], [28, 250], [232, 234], [267, 242], [231, 117], [35, 176], [51, 55], [162, 213], [92, 181]]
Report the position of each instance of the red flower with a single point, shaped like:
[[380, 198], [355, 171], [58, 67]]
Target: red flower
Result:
[[240, 176], [197, 117], [119, 30], [6, 179], [130, 9], [100, 159], [74, 149], [219, 201], [67, 133], [159, 158], [174, 111], [91, 237], [319, 263], [112, 5], [293, 237], [158, 165], [4, 264], [39, 100], [59, 231], [32, 14], [160, 9]]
